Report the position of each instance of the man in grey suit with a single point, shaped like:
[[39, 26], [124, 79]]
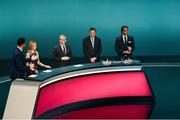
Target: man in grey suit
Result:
[[62, 52]]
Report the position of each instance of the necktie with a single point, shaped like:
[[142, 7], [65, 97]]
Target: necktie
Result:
[[125, 40], [64, 49], [92, 42]]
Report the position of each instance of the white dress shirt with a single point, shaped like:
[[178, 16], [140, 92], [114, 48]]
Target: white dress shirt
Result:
[[20, 48], [62, 47], [125, 38], [92, 42]]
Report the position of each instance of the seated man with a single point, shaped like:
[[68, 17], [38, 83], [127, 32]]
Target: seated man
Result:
[[124, 44], [62, 52], [92, 46], [19, 68]]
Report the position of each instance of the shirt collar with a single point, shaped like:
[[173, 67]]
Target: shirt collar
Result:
[[20, 48], [124, 36], [92, 38], [62, 45]]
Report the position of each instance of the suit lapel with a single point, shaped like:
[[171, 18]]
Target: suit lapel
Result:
[[60, 48], [95, 42], [90, 42], [123, 40], [66, 49]]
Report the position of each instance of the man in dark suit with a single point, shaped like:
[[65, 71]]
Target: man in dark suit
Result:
[[62, 52], [124, 44], [92, 46], [19, 68]]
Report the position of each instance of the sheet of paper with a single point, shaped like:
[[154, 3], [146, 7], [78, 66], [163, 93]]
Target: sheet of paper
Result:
[[33, 76], [78, 65], [47, 71]]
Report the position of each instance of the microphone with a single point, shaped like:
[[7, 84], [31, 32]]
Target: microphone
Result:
[[35, 53]]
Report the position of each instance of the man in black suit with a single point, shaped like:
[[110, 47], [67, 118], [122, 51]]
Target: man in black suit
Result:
[[19, 68], [92, 46], [62, 52], [124, 44]]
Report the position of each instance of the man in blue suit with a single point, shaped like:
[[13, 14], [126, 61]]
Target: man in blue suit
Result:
[[19, 68]]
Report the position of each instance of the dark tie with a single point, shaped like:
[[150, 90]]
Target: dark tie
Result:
[[92, 42], [64, 49], [125, 40]]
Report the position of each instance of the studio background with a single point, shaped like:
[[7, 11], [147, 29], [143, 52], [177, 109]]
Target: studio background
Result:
[[153, 23]]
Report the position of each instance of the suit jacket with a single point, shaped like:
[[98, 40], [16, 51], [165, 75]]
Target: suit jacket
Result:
[[19, 68], [88, 49], [58, 53], [120, 46]]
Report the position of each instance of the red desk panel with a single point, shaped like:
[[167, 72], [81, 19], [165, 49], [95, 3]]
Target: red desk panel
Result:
[[110, 112], [89, 87]]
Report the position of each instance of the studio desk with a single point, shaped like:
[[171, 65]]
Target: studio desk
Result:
[[83, 91]]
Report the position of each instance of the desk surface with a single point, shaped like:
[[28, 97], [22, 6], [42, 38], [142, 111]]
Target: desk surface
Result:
[[57, 71]]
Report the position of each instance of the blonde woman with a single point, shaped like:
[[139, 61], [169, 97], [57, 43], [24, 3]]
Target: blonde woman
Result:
[[34, 56]]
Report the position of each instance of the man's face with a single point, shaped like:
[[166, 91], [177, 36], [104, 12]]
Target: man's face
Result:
[[92, 33], [125, 31], [23, 46], [62, 40]]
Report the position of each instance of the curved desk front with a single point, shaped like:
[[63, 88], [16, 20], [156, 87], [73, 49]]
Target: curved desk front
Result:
[[78, 91]]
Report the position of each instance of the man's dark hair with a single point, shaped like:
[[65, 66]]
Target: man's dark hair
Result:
[[122, 28], [20, 41], [92, 28]]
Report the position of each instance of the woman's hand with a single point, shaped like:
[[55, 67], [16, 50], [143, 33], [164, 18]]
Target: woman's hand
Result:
[[31, 66], [47, 66], [34, 57]]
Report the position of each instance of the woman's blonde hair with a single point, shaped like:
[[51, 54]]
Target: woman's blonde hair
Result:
[[31, 42]]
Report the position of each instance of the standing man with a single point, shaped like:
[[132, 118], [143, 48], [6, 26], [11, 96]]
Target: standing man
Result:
[[124, 44], [19, 68], [92, 46], [62, 52]]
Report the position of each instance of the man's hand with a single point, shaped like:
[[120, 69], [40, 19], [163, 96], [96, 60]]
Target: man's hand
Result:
[[130, 49], [125, 52], [92, 60], [66, 58]]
